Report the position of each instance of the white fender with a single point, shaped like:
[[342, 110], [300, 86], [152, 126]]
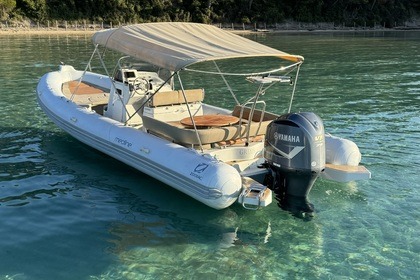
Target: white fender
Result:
[[340, 151]]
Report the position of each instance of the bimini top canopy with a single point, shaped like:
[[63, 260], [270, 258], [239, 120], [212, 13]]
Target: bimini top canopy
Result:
[[175, 45]]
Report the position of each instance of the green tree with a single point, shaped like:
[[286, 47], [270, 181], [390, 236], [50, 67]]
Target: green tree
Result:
[[33, 9], [208, 11], [6, 6]]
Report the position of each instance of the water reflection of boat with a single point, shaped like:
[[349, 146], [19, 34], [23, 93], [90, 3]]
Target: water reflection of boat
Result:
[[144, 116]]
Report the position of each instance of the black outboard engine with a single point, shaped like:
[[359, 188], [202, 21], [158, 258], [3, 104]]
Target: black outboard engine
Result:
[[295, 153]]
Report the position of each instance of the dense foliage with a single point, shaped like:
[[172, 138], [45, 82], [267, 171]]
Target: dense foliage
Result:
[[358, 12]]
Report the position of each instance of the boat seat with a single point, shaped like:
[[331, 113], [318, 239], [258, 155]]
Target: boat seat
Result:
[[257, 114], [171, 106], [178, 133], [174, 97]]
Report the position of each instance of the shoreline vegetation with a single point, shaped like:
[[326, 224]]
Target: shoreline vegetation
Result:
[[64, 27], [238, 15]]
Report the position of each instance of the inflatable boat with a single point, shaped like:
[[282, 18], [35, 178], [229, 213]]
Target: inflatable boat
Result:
[[143, 114]]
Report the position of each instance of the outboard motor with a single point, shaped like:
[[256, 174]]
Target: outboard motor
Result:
[[295, 154]]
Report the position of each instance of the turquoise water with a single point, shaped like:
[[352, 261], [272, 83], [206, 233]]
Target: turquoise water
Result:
[[68, 212]]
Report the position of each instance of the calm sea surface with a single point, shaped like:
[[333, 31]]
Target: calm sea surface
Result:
[[68, 212]]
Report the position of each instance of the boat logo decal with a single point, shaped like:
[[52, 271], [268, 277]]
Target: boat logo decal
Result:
[[123, 142], [286, 137], [319, 137], [296, 150], [201, 167]]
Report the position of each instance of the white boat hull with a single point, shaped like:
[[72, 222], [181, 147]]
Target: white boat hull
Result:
[[207, 180], [206, 177]]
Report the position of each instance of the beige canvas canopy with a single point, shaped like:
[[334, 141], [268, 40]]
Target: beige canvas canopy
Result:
[[175, 45]]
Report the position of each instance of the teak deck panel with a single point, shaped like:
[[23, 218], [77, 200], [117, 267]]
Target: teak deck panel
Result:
[[84, 93]]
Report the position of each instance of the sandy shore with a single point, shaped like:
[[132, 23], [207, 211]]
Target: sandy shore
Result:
[[63, 31], [52, 31]]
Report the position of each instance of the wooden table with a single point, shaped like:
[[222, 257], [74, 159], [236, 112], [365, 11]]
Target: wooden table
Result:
[[210, 121]]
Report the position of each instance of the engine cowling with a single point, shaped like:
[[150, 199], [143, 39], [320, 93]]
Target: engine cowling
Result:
[[295, 154]]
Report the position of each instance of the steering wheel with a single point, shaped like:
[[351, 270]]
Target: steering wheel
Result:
[[141, 85]]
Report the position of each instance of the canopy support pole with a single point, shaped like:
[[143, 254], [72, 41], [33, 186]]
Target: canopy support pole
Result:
[[226, 83], [251, 114], [150, 97], [189, 112], [281, 69], [294, 88], [84, 72]]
